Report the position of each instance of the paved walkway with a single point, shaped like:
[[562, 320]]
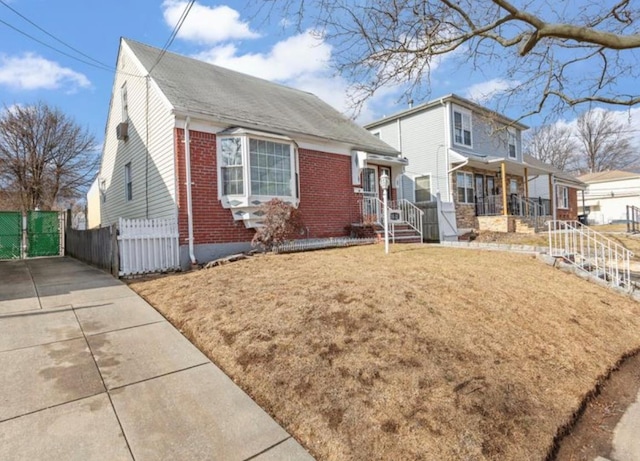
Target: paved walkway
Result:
[[90, 371]]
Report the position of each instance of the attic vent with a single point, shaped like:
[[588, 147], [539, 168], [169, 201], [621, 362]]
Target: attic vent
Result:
[[122, 131]]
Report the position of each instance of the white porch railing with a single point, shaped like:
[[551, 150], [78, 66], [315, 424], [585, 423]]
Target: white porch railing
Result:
[[411, 215], [591, 252], [148, 245]]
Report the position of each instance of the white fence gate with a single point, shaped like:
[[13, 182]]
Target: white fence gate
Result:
[[148, 245]]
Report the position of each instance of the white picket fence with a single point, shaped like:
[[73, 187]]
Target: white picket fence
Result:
[[148, 245]]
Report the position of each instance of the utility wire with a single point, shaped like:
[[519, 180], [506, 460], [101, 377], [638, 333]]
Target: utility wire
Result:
[[52, 36], [54, 48], [174, 33]]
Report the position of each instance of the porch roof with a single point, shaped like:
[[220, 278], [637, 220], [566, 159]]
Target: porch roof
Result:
[[492, 164], [385, 160]]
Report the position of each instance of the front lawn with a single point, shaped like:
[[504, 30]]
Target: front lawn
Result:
[[427, 353]]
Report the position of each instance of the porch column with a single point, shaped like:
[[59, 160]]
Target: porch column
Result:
[[552, 203], [503, 172], [526, 191]]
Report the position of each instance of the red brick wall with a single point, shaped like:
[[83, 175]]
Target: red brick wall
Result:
[[211, 222], [572, 213], [327, 201]]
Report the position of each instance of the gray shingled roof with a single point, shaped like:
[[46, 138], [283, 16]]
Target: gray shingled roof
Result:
[[196, 86], [611, 175], [552, 169]]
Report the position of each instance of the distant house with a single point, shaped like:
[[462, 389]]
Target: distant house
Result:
[[93, 205], [567, 190], [472, 158], [209, 146], [607, 195]]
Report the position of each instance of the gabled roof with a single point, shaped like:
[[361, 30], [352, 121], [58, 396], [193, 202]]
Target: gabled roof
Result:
[[603, 176], [459, 100], [196, 87], [558, 173]]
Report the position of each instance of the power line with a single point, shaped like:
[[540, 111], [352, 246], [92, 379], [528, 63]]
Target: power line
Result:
[[174, 33], [54, 48], [52, 36]]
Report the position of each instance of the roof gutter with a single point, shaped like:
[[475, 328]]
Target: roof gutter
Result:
[[187, 163]]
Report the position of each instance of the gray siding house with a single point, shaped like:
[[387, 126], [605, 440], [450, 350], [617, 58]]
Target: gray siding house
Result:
[[469, 159]]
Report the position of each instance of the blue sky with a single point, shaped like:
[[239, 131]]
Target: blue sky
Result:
[[219, 32]]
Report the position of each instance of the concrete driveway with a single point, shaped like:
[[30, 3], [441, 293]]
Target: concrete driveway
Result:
[[90, 371]]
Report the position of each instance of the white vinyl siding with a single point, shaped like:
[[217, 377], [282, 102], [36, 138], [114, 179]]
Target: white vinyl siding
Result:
[[465, 187], [124, 101], [155, 192]]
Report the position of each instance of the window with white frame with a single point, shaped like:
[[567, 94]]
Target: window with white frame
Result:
[[423, 188], [513, 186], [256, 166], [513, 153], [462, 127], [465, 187], [128, 182], [125, 102], [563, 197]]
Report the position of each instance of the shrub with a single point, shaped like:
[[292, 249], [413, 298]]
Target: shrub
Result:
[[282, 222]]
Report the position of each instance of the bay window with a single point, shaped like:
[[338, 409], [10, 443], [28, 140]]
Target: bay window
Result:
[[255, 168]]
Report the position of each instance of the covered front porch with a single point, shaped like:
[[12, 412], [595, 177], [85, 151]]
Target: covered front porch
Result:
[[492, 194]]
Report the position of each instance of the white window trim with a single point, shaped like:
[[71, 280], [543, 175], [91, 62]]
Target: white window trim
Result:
[[563, 199], [246, 166], [462, 113], [512, 132], [466, 174], [428, 175], [511, 182]]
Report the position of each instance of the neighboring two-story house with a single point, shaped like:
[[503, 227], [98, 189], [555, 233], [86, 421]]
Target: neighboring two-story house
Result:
[[472, 158], [208, 146]]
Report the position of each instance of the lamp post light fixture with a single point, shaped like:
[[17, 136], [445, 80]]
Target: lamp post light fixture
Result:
[[384, 183]]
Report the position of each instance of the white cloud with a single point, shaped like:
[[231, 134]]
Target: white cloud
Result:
[[296, 56], [206, 24], [32, 72], [484, 91]]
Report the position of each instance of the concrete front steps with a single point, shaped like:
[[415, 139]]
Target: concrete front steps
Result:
[[400, 233]]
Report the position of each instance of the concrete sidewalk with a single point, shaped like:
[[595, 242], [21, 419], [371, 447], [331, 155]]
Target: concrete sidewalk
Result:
[[90, 371]]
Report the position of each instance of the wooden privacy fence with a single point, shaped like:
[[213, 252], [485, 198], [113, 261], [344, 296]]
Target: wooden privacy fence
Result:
[[97, 247], [148, 245]]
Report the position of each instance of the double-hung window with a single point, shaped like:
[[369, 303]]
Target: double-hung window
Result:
[[423, 188], [563, 197], [465, 187], [231, 166], [252, 165], [512, 143], [462, 127]]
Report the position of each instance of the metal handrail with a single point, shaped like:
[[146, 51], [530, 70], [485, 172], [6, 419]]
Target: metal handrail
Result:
[[371, 209], [591, 252]]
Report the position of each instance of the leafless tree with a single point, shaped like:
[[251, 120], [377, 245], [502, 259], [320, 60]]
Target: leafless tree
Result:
[[553, 144], [45, 157], [605, 142], [550, 54]]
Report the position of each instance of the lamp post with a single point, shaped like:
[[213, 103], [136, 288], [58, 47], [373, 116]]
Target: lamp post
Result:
[[384, 183]]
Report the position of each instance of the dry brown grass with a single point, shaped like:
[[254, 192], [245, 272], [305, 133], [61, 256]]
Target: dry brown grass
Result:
[[540, 239], [427, 353]]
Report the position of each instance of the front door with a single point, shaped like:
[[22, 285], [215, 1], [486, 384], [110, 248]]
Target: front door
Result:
[[370, 194], [480, 195]]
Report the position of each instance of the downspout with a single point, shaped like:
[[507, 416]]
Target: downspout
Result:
[[458, 167], [447, 143], [187, 163], [401, 188]]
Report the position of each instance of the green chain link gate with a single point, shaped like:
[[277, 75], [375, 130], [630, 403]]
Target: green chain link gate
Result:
[[43, 233], [10, 234]]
